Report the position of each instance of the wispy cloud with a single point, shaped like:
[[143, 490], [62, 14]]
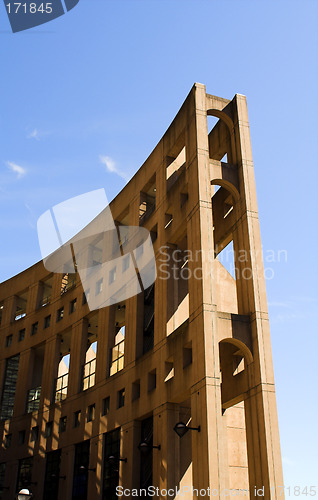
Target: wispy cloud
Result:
[[17, 169], [36, 134], [111, 167]]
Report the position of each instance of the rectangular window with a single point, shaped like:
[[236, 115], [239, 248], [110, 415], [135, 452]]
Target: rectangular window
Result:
[[121, 398], [48, 429], [111, 473], [105, 406], [34, 328], [33, 399], [77, 418], [117, 353], [35, 433], [60, 314], [62, 426], [10, 381], [91, 413], [126, 262], [9, 339], [89, 374], [21, 334], [73, 306], [7, 440], [25, 473], [47, 321], [80, 475], [112, 275], [99, 286], [21, 437], [61, 387], [52, 473]]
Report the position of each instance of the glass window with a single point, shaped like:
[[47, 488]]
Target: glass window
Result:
[[73, 306], [91, 413], [105, 406], [62, 426], [48, 429], [10, 381], [34, 328], [25, 473], [52, 473], [9, 340], [121, 398], [60, 314], [47, 321], [21, 334], [77, 418]]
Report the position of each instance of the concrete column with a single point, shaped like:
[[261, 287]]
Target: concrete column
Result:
[[77, 358], [106, 318], [9, 308], [66, 469], [94, 477], [166, 461], [34, 293], [50, 369], [130, 471]]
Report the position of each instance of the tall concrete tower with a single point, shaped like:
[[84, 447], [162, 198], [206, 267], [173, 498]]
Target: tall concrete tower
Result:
[[170, 387]]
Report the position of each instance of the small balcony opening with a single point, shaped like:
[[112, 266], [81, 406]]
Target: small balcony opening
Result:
[[20, 311], [147, 203], [149, 318], [46, 292], [176, 166]]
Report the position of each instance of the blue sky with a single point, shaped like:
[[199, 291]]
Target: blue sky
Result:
[[106, 79]]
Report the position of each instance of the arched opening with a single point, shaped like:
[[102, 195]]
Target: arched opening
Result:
[[220, 141], [223, 204], [234, 358]]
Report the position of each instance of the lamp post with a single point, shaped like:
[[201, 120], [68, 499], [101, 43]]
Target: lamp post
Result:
[[144, 447], [84, 469], [112, 460], [24, 494], [181, 429]]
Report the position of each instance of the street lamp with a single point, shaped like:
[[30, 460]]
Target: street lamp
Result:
[[144, 447], [181, 429], [83, 468], [112, 460], [24, 494]]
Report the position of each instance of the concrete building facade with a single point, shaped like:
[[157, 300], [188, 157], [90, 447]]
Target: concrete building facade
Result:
[[90, 399]]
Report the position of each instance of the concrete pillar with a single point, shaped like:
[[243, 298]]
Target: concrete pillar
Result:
[[77, 358], [50, 369]]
